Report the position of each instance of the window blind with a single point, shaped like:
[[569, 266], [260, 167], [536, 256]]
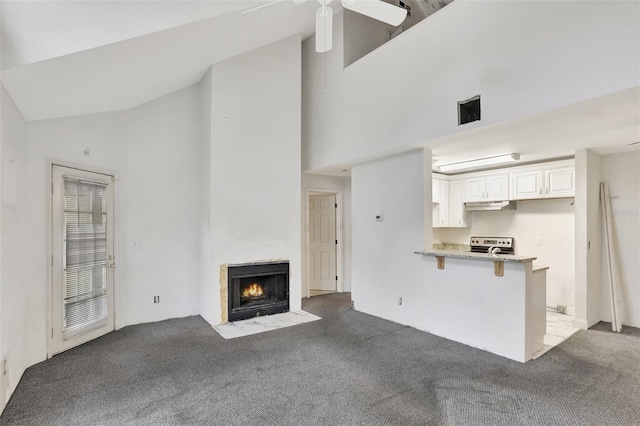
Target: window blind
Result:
[[85, 263]]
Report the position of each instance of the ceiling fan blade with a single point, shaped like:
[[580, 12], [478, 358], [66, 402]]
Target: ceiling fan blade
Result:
[[377, 9], [324, 29]]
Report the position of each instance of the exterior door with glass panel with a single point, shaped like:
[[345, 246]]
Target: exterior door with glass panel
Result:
[[82, 257]]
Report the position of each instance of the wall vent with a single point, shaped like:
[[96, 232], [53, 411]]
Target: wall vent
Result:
[[469, 110]]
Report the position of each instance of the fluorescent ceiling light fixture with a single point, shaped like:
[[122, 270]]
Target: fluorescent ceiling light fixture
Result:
[[480, 162]]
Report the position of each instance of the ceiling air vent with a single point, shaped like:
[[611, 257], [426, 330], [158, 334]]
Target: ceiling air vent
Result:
[[469, 110]]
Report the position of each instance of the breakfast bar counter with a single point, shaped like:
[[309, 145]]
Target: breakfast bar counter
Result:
[[477, 256], [493, 302]]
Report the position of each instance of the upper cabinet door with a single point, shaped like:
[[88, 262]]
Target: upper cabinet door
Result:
[[435, 190], [487, 188], [475, 189], [457, 216], [497, 187], [444, 203], [526, 185], [560, 182]]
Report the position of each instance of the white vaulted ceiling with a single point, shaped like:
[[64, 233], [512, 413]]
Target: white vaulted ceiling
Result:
[[66, 58], [35, 31], [63, 58]]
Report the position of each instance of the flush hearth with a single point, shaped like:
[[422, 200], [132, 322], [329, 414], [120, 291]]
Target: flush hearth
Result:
[[257, 290]]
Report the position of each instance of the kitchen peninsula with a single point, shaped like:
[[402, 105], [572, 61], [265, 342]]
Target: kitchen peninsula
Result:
[[492, 302]]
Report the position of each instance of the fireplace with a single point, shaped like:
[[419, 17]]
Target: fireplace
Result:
[[257, 289]]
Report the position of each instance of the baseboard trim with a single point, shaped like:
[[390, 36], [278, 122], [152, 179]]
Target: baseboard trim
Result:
[[571, 310], [580, 324]]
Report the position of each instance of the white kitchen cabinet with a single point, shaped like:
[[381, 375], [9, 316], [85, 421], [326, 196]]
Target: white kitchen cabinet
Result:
[[441, 210], [498, 187], [475, 189], [435, 190], [560, 182], [494, 187], [458, 217], [543, 181], [526, 185], [449, 211]]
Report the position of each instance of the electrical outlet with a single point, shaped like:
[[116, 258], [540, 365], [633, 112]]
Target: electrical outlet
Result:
[[539, 241], [4, 367], [562, 309], [399, 300], [156, 299], [352, 305]]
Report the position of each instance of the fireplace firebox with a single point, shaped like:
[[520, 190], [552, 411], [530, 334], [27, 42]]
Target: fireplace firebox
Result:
[[257, 289]]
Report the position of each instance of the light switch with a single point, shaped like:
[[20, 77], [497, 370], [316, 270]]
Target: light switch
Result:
[[136, 246], [539, 241]]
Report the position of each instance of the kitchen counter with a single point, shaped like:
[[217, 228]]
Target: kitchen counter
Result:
[[536, 268], [496, 303], [477, 256]]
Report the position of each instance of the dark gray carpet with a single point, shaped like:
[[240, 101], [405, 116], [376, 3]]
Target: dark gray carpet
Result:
[[347, 369]]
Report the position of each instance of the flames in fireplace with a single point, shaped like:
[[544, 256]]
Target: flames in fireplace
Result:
[[253, 290]]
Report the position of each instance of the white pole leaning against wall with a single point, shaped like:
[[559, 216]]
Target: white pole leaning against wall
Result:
[[605, 201]]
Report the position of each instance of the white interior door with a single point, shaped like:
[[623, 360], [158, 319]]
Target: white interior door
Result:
[[82, 257], [322, 242]]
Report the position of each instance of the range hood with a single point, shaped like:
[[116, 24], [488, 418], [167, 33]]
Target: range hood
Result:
[[484, 206]]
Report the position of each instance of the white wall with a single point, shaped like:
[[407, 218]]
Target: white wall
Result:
[[312, 182], [255, 163], [385, 268], [383, 264], [588, 239], [162, 209], [64, 139], [622, 172], [319, 72], [154, 151], [552, 220], [208, 277], [387, 101], [15, 297], [362, 35]]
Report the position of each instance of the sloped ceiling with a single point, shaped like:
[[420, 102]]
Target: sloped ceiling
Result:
[[64, 58], [35, 31]]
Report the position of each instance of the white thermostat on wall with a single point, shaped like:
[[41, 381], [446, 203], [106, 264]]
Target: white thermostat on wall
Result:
[[379, 217]]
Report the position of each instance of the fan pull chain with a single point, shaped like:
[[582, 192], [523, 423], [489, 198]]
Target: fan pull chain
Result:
[[325, 72]]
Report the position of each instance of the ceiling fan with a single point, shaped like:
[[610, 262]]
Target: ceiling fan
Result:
[[376, 9]]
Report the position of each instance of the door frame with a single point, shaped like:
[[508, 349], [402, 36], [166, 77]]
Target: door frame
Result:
[[339, 237], [50, 162]]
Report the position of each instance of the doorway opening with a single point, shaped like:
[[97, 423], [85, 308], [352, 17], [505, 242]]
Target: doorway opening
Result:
[[324, 242]]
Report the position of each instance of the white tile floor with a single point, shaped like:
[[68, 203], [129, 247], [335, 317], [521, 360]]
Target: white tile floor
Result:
[[262, 324], [559, 328]]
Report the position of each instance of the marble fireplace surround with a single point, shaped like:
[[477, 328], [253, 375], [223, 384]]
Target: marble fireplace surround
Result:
[[224, 283]]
